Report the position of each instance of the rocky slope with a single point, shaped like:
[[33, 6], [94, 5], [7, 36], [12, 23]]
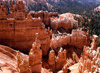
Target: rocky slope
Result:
[[89, 1], [8, 59], [61, 6], [32, 4]]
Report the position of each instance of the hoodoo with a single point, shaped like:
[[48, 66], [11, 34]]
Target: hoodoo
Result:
[[44, 37]]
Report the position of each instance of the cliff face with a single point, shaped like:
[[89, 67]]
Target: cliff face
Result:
[[19, 27], [77, 37], [17, 30]]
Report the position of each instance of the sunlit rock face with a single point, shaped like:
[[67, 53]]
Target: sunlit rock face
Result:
[[35, 57], [61, 59], [22, 64], [9, 61], [48, 53], [77, 37], [19, 27], [44, 15], [90, 60], [65, 21], [17, 30], [51, 60], [12, 61], [55, 20]]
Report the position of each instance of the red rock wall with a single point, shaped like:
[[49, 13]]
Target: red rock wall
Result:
[[44, 15], [69, 39], [56, 23], [20, 34], [18, 31]]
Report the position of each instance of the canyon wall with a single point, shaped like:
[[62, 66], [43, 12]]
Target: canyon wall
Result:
[[77, 38], [44, 15], [65, 21], [17, 30], [55, 20], [19, 27]]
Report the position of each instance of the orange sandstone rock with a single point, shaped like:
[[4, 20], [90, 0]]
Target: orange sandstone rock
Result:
[[90, 61], [64, 20], [61, 59], [51, 60], [44, 15], [23, 29], [8, 60], [77, 37], [35, 57], [22, 64], [65, 68], [94, 42]]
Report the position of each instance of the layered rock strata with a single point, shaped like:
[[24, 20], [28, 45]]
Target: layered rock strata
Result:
[[65, 21], [77, 37], [17, 30], [55, 20], [44, 15], [35, 57]]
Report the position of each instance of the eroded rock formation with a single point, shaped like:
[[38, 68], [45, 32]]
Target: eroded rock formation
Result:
[[17, 7], [35, 57], [44, 15], [56, 63], [12, 61], [65, 68], [23, 25], [64, 20], [51, 60], [50, 52], [22, 64], [23, 29], [77, 37], [3, 12], [8, 60], [90, 60], [61, 59], [55, 20]]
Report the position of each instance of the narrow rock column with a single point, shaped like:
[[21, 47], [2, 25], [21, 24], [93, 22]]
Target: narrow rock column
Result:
[[94, 42], [51, 60], [64, 60], [60, 60], [35, 57]]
